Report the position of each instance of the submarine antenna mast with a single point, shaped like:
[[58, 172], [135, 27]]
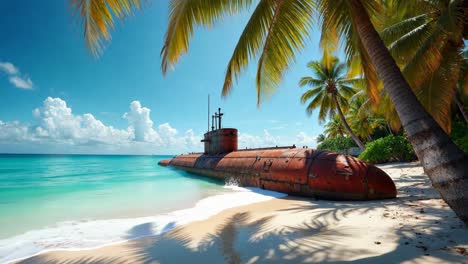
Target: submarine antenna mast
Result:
[[212, 122], [208, 112], [220, 115]]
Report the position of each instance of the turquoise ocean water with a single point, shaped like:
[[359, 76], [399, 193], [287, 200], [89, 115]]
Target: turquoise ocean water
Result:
[[40, 190], [52, 202]]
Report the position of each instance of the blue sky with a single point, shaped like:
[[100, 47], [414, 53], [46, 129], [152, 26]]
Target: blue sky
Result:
[[43, 54]]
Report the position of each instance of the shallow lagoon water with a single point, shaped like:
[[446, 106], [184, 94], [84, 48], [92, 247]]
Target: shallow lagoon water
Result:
[[50, 202]]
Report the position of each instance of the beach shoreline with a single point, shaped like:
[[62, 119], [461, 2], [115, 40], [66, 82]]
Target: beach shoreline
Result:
[[417, 227], [95, 234]]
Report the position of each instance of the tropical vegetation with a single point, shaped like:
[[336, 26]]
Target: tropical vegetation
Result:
[[337, 144], [277, 30], [460, 134], [389, 148]]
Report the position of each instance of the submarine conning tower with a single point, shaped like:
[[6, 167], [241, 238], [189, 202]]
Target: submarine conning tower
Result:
[[219, 140]]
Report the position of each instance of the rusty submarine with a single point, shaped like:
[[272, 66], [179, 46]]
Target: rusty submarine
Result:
[[295, 171]]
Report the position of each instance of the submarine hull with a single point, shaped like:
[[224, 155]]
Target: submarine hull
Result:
[[304, 172]]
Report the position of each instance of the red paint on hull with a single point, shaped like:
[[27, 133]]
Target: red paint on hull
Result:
[[294, 171]]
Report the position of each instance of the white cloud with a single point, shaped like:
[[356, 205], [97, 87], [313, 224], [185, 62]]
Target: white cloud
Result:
[[305, 140], [22, 83], [251, 141], [9, 68], [140, 123], [167, 131], [14, 131], [15, 76], [58, 129], [191, 140], [57, 123], [248, 141], [269, 139]]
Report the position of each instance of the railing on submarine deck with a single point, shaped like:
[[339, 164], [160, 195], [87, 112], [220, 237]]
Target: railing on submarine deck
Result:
[[248, 149], [268, 148]]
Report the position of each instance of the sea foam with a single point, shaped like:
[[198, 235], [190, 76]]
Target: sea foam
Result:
[[79, 235]]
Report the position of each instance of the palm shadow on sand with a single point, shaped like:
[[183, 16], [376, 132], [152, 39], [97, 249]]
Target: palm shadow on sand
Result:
[[243, 238]]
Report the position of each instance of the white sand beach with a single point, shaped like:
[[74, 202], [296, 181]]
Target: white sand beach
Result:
[[417, 227]]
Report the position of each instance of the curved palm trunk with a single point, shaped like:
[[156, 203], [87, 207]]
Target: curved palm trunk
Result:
[[444, 163], [345, 124], [461, 106]]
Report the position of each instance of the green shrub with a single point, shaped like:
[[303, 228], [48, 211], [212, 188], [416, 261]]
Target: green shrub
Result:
[[460, 135], [337, 144], [386, 149]]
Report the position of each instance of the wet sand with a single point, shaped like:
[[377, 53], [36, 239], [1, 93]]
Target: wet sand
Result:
[[417, 227]]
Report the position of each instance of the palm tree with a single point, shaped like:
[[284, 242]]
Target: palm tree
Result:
[[274, 34], [334, 128], [320, 138], [330, 91], [445, 164], [363, 120], [427, 44]]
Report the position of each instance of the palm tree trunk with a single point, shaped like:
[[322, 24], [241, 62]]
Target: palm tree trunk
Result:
[[345, 124], [461, 106], [444, 163]]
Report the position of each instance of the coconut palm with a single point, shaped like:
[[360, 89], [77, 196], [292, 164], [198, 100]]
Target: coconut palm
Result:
[[334, 128], [362, 119], [443, 161], [320, 138], [384, 112], [330, 91], [427, 44], [277, 30]]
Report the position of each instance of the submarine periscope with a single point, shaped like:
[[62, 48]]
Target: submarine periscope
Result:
[[291, 170]]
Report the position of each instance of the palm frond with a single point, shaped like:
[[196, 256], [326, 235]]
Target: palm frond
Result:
[[343, 103], [315, 103], [426, 60], [437, 100], [326, 108], [337, 70], [287, 31], [346, 91], [184, 16], [363, 67], [334, 127], [312, 93], [392, 33], [407, 45], [329, 41], [310, 81], [386, 109], [97, 17], [318, 69], [351, 81], [336, 14], [249, 43]]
